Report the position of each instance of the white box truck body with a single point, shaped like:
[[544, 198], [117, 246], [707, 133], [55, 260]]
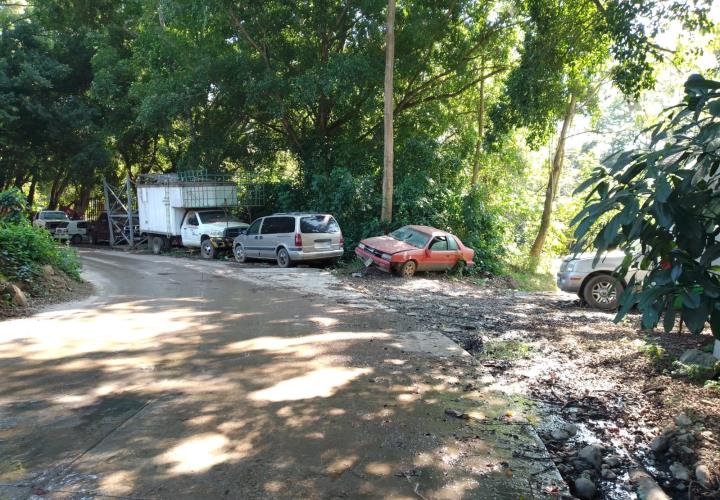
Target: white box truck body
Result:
[[194, 213]]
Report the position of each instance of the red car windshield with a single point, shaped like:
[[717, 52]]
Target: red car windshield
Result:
[[410, 236]]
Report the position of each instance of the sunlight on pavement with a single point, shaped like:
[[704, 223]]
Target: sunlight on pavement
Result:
[[299, 344], [198, 454], [321, 383]]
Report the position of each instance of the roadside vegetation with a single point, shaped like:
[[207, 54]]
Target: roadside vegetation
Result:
[[496, 120], [30, 259]]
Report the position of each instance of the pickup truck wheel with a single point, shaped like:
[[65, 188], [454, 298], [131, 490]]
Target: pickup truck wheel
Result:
[[157, 244], [207, 250], [76, 239], [407, 270], [239, 253], [283, 258], [602, 292]]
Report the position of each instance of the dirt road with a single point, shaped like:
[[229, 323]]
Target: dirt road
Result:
[[184, 379]]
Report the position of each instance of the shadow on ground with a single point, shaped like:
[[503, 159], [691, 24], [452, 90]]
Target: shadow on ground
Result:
[[232, 391]]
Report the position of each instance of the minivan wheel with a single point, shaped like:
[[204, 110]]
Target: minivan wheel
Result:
[[283, 258], [207, 250], [603, 292], [239, 253], [407, 270], [76, 239]]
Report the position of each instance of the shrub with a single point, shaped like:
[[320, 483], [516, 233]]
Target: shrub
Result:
[[12, 206], [24, 249]]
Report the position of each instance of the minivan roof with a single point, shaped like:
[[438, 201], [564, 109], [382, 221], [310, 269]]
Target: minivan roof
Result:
[[297, 213]]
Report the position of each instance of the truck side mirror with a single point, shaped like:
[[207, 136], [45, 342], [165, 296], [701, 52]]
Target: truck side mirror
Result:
[[243, 231]]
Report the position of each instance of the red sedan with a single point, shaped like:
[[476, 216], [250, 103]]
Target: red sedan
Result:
[[415, 248]]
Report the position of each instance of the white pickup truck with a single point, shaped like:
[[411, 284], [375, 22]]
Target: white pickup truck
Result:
[[191, 213]]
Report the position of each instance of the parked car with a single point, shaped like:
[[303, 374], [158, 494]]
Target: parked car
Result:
[[75, 231], [289, 238], [595, 284], [415, 248], [50, 219], [99, 232]]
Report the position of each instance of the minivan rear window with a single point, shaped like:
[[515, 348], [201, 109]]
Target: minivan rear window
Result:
[[319, 224], [275, 225]]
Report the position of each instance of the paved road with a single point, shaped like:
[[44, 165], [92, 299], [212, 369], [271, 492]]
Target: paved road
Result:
[[189, 379]]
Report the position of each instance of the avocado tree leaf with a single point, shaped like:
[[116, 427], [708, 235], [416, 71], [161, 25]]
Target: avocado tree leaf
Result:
[[669, 318]]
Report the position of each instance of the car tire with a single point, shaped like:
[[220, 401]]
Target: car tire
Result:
[[407, 270], [76, 239], [157, 244], [207, 250], [240, 254], [603, 292], [283, 258]]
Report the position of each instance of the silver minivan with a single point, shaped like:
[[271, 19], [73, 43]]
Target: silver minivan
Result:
[[289, 238]]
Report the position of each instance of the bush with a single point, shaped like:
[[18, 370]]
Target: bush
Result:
[[13, 205], [24, 249]]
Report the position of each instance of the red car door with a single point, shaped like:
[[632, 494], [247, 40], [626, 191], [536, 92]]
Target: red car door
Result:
[[438, 256]]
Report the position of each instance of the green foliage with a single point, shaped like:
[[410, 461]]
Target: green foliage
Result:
[[506, 349], [24, 249], [713, 386], [665, 200], [694, 372], [656, 354], [13, 205], [531, 281]]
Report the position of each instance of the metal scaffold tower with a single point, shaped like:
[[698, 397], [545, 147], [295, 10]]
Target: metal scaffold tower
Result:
[[121, 209]]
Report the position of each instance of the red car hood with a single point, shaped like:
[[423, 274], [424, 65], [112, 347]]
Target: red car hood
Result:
[[386, 244]]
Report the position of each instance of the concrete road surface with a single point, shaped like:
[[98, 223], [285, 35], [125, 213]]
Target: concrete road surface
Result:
[[191, 379]]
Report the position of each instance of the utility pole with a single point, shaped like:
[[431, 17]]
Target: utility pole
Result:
[[387, 186]]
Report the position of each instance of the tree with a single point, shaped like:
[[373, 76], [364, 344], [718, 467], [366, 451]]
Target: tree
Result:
[[565, 48], [664, 199], [387, 190]]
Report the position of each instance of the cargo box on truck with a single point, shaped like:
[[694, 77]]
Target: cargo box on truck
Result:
[[194, 212]]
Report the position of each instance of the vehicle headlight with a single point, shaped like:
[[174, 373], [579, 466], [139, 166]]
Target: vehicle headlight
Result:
[[361, 246], [571, 266], [386, 256], [215, 234]]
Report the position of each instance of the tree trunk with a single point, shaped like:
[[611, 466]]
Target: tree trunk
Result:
[[31, 193], [52, 202], [481, 128], [553, 181], [387, 187]]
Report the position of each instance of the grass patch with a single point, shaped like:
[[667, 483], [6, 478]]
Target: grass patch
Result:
[[713, 386], [693, 372], [656, 354], [347, 267], [532, 281], [506, 350]]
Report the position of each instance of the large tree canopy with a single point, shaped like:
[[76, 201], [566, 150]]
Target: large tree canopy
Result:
[[292, 91]]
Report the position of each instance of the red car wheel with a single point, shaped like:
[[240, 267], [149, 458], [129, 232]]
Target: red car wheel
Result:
[[407, 270]]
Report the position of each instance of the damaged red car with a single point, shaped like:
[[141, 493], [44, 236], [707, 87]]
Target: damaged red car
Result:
[[415, 248]]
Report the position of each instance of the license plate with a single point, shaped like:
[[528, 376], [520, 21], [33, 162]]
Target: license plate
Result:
[[368, 262]]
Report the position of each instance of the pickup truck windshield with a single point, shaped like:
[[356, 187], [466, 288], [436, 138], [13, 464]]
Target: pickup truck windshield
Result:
[[410, 236], [216, 216], [53, 216]]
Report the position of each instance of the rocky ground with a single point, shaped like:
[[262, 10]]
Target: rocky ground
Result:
[[53, 286], [606, 405]]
